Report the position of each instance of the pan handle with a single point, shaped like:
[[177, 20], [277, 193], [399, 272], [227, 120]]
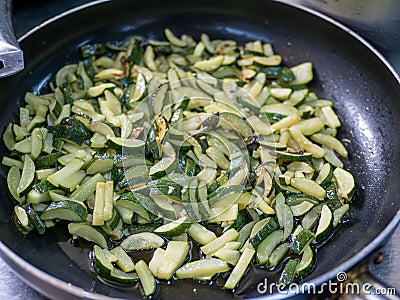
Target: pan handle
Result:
[[11, 56], [368, 286]]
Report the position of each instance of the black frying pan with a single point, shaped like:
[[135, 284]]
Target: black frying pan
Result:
[[364, 88]]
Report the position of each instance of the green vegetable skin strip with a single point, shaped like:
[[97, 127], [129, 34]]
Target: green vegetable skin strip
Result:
[[213, 138]]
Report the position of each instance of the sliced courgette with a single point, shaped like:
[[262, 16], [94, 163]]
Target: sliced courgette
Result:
[[202, 268], [345, 183], [143, 240], [306, 263], [146, 278], [173, 228], [174, 256], [240, 268], [266, 247], [27, 176], [301, 240], [288, 273], [89, 233], [325, 224]]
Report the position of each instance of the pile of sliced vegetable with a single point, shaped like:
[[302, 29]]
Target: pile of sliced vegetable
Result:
[[163, 145]]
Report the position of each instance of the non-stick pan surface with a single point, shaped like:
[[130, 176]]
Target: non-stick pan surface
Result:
[[364, 89]]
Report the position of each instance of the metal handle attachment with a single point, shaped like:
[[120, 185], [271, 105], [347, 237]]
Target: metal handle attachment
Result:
[[11, 56], [362, 285]]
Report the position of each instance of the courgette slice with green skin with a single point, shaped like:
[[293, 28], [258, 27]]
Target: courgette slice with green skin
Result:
[[169, 158], [308, 187], [174, 256], [211, 64], [331, 157], [202, 268], [27, 176], [284, 215], [10, 162], [144, 201], [66, 210], [228, 255], [288, 273], [325, 224], [90, 233], [106, 269], [301, 240], [146, 278], [71, 129], [330, 142], [8, 137], [339, 213], [294, 199], [291, 156], [240, 268], [214, 245], [229, 120], [310, 126], [132, 204], [306, 263], [23, 147], [268, 226], [311, 217], [86, 189], [188, 205], [272, 145], [345, 183], [143, 240], [100, 262], [302, 73], [114, 221], [174, 228], [201, 234], [222, 179], [301, 208], [21, 220], [278, 254], [147, 227], [124, 261], [266, 247], [156, 261], [100, 166], [152, 144], [222, 192], [39, 192], [13, 179], [117, 275], [37, 222], [245, 232], [36, 143], [190, 167], [202, 198], [58, 178], [325, 175], [192, 208], [242, 219], [121, 144], [49, 160]]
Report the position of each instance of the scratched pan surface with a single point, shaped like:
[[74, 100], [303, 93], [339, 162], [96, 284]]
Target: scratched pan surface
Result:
[[365, 92]]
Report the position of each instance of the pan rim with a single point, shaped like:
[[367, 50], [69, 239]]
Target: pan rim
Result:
[[15, 261]]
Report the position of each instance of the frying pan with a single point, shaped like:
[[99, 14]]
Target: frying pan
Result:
[[362, 85]]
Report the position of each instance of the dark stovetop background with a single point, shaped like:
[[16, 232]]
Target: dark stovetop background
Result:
[[28, 14]]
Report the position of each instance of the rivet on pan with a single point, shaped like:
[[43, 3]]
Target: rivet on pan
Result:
[[380, 258]]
